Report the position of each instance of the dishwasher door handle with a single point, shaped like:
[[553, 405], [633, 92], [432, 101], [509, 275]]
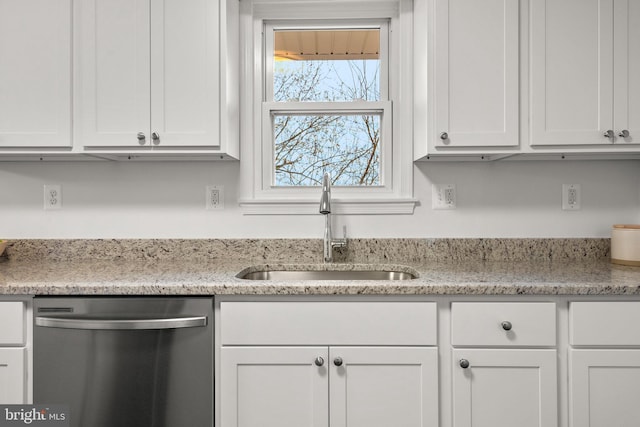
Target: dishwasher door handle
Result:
[[121, 324]]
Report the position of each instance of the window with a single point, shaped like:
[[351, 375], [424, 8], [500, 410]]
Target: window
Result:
[[324, 96], [324, 87]]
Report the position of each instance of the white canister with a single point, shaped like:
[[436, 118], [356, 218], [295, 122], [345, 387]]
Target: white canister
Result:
[[625, 244]]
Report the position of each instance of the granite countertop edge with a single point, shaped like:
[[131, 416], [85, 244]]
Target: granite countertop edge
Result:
[[218, 277]]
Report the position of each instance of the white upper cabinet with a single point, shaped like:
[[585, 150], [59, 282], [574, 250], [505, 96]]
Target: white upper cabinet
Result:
[[184, 72], [35, 73], [585, 65], [149, 74], [476, 73], [627, 70], [113, 81]]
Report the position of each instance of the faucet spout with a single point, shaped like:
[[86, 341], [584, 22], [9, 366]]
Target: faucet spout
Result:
[[325, 209], [325, 200]]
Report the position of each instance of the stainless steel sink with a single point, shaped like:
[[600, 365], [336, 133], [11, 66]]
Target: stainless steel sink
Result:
[[326, 275]]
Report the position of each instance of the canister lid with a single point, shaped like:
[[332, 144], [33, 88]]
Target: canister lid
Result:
[[630, 226]]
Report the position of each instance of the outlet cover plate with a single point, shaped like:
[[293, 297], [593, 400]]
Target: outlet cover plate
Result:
[[571, 197], [214, 197], [443, 196], [52, 197]]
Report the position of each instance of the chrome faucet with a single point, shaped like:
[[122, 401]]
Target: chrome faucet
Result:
[[325, 209]]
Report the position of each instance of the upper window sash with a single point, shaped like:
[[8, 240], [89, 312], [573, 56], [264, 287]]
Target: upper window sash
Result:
[[334, 24]]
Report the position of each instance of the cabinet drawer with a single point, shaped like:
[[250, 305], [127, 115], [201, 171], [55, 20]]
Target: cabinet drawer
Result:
[[481, 324], [11, 323], [604, 323], [328, 323]]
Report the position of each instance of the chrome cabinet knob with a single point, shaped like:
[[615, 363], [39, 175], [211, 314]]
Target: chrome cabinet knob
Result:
[[624, 134], [141, 138], [155, 137], [444, 136], [464, 363], [506, 325], [319, 361], [337, 361], [609, 134]]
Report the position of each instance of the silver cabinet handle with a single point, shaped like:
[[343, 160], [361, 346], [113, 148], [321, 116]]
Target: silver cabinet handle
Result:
[[464, 363], [609, 134], [337, 361], [624, 134], [155, 137], [444, 136], [131, 324], [319, 361], [506, 325], [141, 138]]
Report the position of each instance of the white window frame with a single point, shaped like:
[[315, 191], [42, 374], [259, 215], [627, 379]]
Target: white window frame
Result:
[[259, 18]]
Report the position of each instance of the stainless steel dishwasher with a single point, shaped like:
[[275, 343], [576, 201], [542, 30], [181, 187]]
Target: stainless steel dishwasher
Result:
[[143, 362]]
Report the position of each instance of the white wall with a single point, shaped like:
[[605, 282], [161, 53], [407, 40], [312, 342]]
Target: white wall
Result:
[[166, 200]]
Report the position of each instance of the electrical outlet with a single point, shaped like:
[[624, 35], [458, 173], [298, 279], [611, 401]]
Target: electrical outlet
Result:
[[52, 197], [571, 197], [214, 197], [443, 196]]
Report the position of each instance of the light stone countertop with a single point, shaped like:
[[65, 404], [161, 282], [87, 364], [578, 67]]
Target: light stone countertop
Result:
[[178, 277], [209, 267]]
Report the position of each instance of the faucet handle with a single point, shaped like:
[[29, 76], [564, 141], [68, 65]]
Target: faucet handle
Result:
[[341, 243]]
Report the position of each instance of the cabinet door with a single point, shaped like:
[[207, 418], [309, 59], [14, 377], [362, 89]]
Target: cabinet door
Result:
[[476, 80], [185, 95], [605, 388], [505, 388], [274, 387], [382, 387], [627, 70], [113, 76], [571, 71], [35, 73], [12, 376]]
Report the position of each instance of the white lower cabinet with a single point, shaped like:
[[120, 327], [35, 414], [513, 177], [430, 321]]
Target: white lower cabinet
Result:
[[456, 361], [383, 386], [12, 375], [504, 388], [604, 380], [336, 386], [605, 388], [510, 385], [274, 386], [15, 349], [306, 363]]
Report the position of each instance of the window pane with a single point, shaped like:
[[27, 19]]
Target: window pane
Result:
[[347, 146], [326, 65]]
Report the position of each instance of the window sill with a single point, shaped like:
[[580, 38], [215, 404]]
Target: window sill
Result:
[[341, 207]]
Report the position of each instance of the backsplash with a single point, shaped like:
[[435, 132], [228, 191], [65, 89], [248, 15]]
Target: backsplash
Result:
[[310, 250], [138, 200]]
